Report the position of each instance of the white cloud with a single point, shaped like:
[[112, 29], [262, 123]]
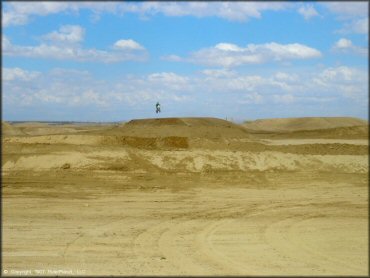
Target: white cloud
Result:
[[16, 74], [75, 52], [343, 44], [346, 46], [127, 44], [235, 11], [217, 73], [285, 98], [308, 11], [12, 18], [166, 77], [18, 13], [286, 77], [350, 9], [231, 55], [74, 88], [66, 34], [251, 98], [6, 44], [354, 14], [347, 81], [172, 58], [359, 26], [340, 74], [228, 47], [169, 80]]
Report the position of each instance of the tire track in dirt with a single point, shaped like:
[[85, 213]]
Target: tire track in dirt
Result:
[[76, 249], [334, 263], [206, 242], [203, 241], [176, 242], [287, 242], [281, 248]]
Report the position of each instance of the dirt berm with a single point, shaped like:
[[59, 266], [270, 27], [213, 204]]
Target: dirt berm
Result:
[[304, 123], [209, 128]]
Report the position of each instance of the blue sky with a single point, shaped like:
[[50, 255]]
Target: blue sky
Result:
[[112, 61]]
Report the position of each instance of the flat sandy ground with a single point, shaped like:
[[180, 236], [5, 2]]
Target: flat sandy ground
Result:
[[92, 200]]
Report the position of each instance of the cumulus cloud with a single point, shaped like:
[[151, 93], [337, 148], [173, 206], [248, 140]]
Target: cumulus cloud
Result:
[[75, 89], [341, 74], [348, 9], [285, 98], [131, 50], [346, 46], [343, 44], [127, 44], [18, 74], [353, 14], [167, 77], [172, 58], [308, 11], [283, 76], [359, 26], [66, 34], [348, 81], [251, 98], [169, 80], [217, 73], [18, 13], [231, 55]]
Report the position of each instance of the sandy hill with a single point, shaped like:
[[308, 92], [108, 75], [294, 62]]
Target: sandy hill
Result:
[[10, 130], [347, 132], [49, 128], [186, 127], [305, 123], [181, 127]]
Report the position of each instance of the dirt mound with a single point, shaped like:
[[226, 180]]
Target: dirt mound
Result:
[[352, 132], [41, 128], [150, 143], [180, 127], [10, 130], [346, 133], [157, 122], [305, 123]]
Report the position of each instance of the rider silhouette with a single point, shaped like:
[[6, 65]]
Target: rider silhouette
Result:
[[158, 108]]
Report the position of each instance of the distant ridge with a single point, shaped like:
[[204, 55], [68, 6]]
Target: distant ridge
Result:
[[10, 130], [304, 123]]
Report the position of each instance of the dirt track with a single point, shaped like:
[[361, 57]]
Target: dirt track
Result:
[[89, 203]]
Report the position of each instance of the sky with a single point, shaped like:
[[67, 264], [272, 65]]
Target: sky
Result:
[[112, 61]]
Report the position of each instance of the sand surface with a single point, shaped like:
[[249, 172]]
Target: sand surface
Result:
[[307, 123], [182, 196]]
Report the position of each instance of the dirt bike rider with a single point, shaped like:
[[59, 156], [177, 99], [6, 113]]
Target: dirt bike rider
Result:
[[158, 108]]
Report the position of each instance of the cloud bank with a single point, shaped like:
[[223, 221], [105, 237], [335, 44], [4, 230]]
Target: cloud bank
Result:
[[231, 55], [21, 13], [65, 44]]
